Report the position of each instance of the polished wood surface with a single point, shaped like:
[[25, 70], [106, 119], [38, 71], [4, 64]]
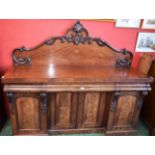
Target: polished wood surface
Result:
[[74, 84], [63, 110], [52, 73], [124, 116], [74, 48], [91, 110], [70, 54], [26, 114], [27, 120]]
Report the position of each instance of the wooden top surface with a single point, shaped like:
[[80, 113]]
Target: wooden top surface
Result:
[[76, 74]]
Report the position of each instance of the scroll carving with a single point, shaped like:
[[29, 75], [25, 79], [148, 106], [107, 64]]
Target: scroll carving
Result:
[[21, 60], [126, 62], [76, 35], [43, 102]]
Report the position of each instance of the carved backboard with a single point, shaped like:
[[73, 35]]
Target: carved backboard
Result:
[[76, 47]]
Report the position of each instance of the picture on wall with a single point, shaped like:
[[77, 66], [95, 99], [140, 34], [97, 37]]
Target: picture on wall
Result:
[[145, 42], [128, 23], [148, 24]]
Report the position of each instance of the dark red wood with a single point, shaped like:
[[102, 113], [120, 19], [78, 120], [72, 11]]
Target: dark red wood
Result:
[[74, 84]]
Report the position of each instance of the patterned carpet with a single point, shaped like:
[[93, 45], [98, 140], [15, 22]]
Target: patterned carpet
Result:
[[142, 131]]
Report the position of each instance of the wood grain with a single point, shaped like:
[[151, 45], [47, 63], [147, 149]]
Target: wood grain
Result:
[[91, 110], [63, 110], [28, 113]]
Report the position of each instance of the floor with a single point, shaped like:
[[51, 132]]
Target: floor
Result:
[[142, 131]]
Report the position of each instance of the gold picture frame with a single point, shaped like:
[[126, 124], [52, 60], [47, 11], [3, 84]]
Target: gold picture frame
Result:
[[102, 20]]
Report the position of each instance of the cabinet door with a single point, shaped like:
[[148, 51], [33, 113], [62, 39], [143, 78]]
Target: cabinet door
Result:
[[63, 110], [91, 109], [27, 115], [124, 113]]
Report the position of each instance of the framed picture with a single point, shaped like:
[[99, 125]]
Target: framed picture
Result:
[[128, 23], [145, 42], [148, 24]]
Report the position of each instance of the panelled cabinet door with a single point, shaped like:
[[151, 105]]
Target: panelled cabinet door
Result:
[[91, 108], [27, 115], [63, 107], [124, 113]]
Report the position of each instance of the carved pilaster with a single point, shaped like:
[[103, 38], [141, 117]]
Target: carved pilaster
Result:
[[140, 99], [114, 102], [43, 102], [10, 96]]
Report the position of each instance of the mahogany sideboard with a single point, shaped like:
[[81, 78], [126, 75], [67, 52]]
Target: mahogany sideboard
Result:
[[74, 84]]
